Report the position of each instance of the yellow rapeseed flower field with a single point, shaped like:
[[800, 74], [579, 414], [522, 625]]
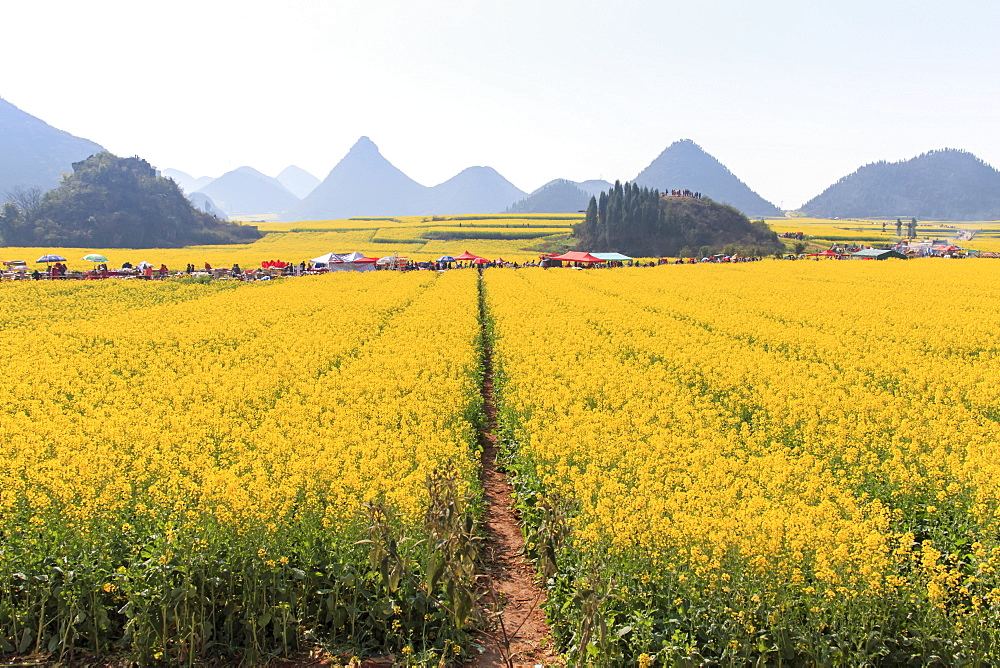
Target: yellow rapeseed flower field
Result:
[[786, 453], [187, 467], [717, 463]]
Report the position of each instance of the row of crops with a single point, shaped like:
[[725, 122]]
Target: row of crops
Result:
[[193, 470], [761, 463], [774, 462]]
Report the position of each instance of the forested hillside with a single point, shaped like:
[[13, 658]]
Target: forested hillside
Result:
[[640, 222], [113, 202], [948, 184]]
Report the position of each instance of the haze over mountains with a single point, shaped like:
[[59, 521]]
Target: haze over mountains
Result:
[[188, 183], [939, 185], [245, 191], [297, 180], [35, 154], [560, 196], [364, 183], [944, 185]]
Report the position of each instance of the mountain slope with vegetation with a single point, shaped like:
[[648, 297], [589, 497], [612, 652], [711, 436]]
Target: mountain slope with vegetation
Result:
[[947, 184], [112, 202], [637, 221]]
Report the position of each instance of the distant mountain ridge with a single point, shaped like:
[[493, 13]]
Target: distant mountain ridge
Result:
[[686, 166], [558, 196], [681, 166], [298, 181], [246, 191], [188, 183], [364, 183], [473, 190], [35, 154], [945, 184]]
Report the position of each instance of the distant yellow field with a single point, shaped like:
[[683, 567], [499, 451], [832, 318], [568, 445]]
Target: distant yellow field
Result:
[[375, 237], [821, 231], [484, 220], [491, 236]]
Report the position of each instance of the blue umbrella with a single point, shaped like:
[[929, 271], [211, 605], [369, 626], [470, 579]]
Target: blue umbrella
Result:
[[51, 258], [446, 258]]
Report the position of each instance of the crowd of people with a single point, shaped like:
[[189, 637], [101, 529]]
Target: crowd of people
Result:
[[277, 269]]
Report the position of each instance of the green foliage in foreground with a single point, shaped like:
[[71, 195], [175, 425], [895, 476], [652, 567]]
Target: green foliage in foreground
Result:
[[193, 594]]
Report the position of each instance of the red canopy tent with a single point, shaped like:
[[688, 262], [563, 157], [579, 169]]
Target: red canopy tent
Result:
[[467, 256], [577, 256]]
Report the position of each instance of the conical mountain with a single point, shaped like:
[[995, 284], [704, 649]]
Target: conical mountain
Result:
[[245, 191], [686, 166], [948, 184], [363, 183], [298, 181], [473, 190], [560, 196], [35, 154]]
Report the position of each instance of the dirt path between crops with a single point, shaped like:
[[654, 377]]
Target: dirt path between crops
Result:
[[519, 635]]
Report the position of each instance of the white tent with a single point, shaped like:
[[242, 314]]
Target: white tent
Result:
[[330, 258]]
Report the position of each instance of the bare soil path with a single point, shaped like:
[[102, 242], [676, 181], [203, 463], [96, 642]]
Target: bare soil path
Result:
[[519, 634]]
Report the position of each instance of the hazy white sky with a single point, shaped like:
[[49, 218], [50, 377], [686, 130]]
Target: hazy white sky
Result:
[[790, 95]]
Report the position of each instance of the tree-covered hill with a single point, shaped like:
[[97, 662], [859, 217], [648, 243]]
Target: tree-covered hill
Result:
[[112, 202], [948, 184], [638, 221]]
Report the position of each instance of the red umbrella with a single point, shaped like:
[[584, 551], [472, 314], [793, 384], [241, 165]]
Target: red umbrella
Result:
[[480, 260]]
